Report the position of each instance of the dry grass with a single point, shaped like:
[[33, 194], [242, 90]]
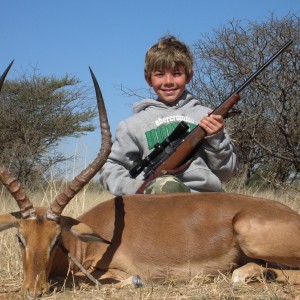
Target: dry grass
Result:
[[197, 288], [200, 287]]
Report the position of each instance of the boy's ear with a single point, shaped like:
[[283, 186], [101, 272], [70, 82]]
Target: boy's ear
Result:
[[190, 77]]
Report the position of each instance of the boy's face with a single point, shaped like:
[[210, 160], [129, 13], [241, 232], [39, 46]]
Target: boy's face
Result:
[[169, 84]]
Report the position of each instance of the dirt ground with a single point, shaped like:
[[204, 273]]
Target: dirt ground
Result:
[[197, 288]]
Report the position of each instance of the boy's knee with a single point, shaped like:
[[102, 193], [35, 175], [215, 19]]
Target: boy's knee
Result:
[[166, 184]]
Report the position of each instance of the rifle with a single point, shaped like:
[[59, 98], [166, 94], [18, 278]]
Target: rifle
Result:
[[176, 151]]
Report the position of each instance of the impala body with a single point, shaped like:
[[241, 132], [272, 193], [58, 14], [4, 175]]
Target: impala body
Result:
[[183, 235], [151, 236]]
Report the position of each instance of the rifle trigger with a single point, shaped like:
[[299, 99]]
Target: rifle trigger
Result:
[[232, 113]]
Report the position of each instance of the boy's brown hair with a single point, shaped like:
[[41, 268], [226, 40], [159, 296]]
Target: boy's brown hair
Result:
[[168, 53]]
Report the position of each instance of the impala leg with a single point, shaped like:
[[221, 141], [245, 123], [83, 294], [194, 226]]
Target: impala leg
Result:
[[134, 280], [114, 277], [272, 236], [249, 271], [253, 271]]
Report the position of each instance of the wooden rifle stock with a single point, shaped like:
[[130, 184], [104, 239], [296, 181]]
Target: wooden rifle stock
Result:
[[193, 140]]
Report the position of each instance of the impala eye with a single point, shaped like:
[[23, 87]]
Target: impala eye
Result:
[[20, 240]]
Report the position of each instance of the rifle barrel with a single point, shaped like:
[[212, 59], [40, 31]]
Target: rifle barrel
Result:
[[255, 74]]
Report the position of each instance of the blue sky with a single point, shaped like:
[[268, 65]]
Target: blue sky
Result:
[[67, 36]]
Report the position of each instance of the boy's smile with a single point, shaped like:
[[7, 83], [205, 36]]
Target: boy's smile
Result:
[[169, 84]]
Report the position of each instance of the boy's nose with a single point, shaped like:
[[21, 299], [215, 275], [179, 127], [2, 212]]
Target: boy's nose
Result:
[[168, 79]]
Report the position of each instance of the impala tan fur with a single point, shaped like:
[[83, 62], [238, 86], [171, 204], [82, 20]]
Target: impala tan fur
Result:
[[153, 236]]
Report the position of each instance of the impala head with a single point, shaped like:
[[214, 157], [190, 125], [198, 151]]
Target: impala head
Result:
[[39, 229]]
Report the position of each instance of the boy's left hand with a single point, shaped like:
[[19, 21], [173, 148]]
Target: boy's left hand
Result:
[[212, 124]]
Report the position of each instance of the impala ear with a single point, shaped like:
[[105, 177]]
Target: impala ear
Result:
[[9, 220], [86, 234]]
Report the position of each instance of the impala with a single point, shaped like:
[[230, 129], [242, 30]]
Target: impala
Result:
[[140, 238]]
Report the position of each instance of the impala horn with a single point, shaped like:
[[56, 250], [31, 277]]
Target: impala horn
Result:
[[73, 187], [11, 183]]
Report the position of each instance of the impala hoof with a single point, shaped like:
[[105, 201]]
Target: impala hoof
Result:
[[137, 282]]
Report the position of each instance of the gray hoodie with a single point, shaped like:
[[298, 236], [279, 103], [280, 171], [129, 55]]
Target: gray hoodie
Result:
[[152, 122]]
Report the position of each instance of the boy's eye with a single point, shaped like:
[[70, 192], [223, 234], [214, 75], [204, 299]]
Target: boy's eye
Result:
[[177, 73], [158, 74]]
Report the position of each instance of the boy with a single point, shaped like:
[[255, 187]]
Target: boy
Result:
[[168, 69]]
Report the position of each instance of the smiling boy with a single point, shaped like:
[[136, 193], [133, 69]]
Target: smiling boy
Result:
[[168, 69]]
